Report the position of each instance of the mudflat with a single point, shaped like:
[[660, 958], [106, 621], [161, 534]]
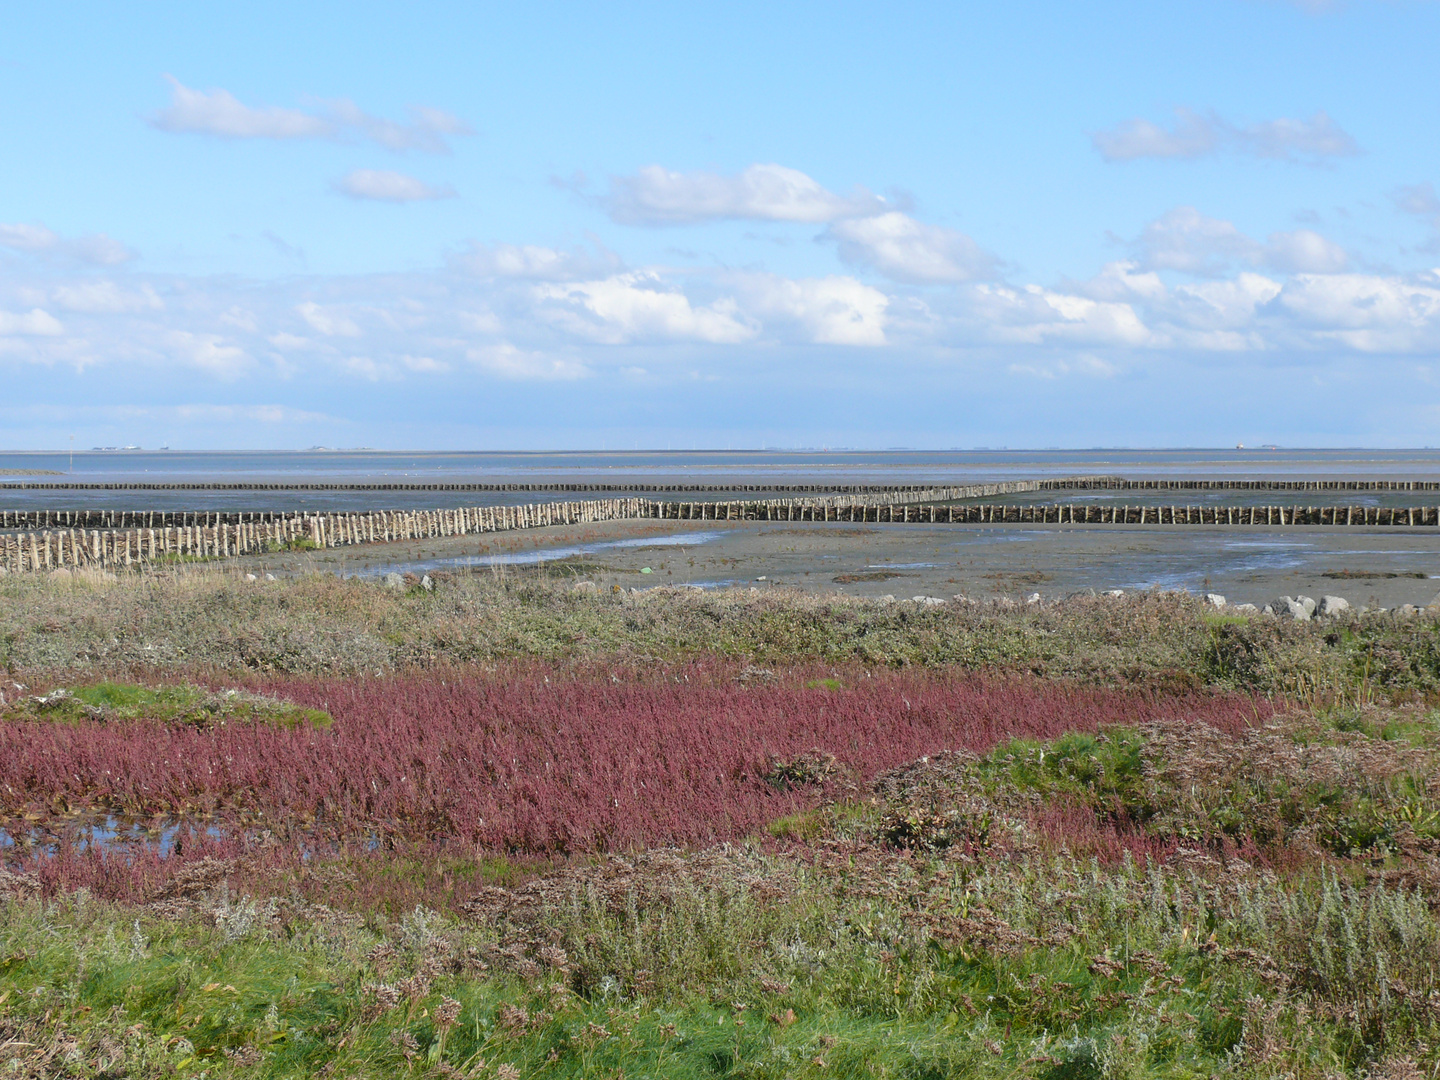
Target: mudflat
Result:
[[1376, 567]]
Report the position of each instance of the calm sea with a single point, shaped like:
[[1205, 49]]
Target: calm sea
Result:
[[720, 468]]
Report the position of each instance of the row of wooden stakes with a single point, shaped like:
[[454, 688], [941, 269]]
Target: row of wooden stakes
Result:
[[111, 548]]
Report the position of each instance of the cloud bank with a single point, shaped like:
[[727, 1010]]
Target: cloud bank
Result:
[[1195, 135]]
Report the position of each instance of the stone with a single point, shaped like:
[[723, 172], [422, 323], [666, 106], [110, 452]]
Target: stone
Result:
[[393, 580], [1434, 602], [586, 588], [269, 577], [1214, 599], [1245, 609], [1331, 606], [887, 599], [1307, 603], [427, 584], [251, 577], [1116, 592], [1406, 611], [1288, 607]]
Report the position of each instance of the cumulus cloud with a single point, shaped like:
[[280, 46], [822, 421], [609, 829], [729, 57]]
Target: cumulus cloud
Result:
[[509, 362], [94, 248], [387, 186], [1033, 315], [1186, 240], [209, 352], [641, 307], [328, 321], [826, 311], [902, 248], [1366, 312], [659, 196], [1195, 135], [1303, 252], [1191, 136], [535, 262], [33, 322], [218, 112], [103, 296]]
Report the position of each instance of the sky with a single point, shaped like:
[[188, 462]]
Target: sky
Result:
[[572, 226]]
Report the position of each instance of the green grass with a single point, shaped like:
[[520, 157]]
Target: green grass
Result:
[[877, 965], [170, 704]]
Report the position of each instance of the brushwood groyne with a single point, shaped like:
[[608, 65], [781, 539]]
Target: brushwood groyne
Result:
[[1116, 483], [134, 543]]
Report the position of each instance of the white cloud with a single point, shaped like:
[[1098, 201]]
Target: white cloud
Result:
[[638, 306], [659, 196], [1185, 240], [1304, 252], [101, 296], [1192, 136], [908, 250], [1123, 280], [826, 311], [218, 112], [209, 352], [425, 364], [35, 323], [424, 132], [327, 321], [1032, 315], [388, 186], [1296, 140], [536, 263], [365, 368], [96, 248], [1195, 135], [509, 362], [1084, 365], [1366, 312]]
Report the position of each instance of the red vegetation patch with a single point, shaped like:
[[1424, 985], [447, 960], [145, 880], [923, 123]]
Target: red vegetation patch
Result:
[[544, 762]]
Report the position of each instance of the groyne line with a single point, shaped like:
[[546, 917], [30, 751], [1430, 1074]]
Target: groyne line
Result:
[[1115, 483], [125, 547], [919, 490], [166, 519]]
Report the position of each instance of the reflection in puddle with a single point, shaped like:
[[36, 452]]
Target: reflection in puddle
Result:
[[106, 832]]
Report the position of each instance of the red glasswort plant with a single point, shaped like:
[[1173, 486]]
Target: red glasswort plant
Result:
[[541, 762]]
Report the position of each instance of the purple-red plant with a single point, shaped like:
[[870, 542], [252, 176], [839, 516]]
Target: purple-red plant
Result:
[[542, 762]]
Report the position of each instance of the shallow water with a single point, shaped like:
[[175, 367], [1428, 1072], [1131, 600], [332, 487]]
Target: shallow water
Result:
[[653, 467], [535, 557]]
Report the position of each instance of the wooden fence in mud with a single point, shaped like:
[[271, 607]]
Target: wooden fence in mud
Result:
[[1053, 514], [128, 546], [1117, 483], [170, 519], [119, 547]]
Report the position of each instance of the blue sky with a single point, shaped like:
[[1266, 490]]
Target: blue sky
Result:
[[565, 226]]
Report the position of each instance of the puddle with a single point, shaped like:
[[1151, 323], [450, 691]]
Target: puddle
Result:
[[107, 833], [540, 555]]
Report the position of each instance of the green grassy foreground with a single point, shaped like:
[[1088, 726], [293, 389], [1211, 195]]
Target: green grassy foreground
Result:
[[939, 928], [1168, 901]]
